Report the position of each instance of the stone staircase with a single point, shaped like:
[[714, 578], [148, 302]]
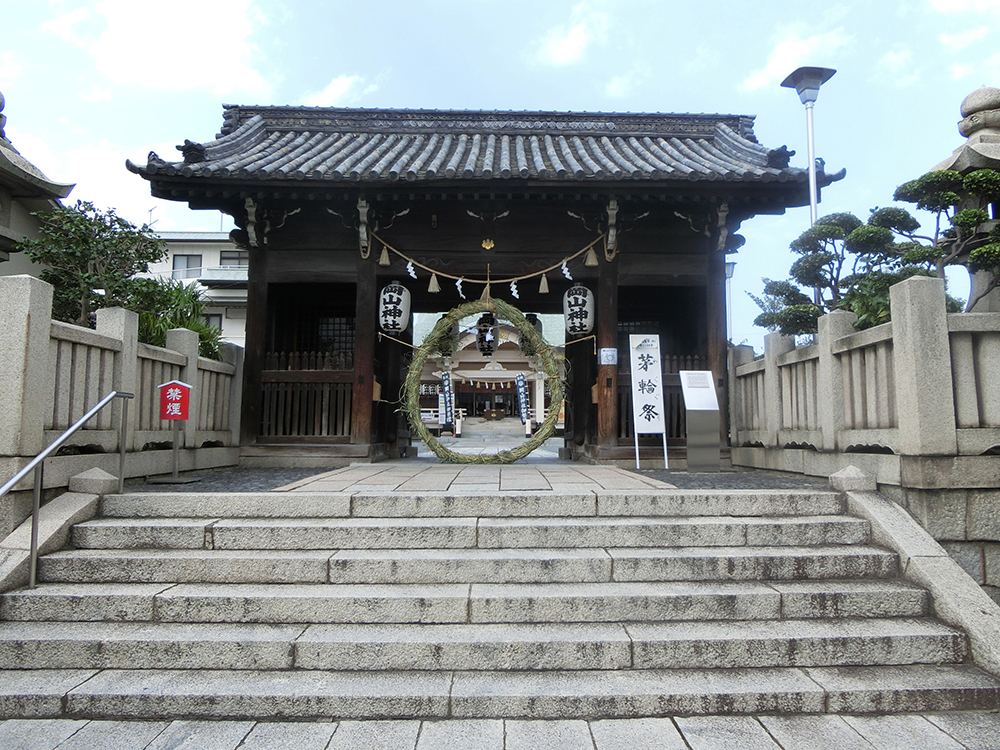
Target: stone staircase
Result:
[[529, 605]]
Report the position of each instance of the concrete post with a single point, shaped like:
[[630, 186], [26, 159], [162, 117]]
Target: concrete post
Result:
[[738, 355], [233, 355], [830, 377], [925, 400], [539, 395], [185, 342], [775, 344], [26, 312], [123, 325]]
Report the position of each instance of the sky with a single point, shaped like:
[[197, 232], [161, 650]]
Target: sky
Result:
[[89, 84]]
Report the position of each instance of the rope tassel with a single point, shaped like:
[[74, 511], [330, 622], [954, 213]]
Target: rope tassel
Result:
[[543, 285], [434, 287], [383, 259]]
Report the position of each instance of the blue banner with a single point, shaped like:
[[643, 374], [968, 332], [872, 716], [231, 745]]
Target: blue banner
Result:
[[522, 397], [449, 404]]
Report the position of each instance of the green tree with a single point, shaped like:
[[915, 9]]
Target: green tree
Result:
[[851, 265], [963, 232], [163, 304], [90, 255]]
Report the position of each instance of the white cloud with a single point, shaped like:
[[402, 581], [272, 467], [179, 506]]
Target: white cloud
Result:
[[620, 86], [792, 52], [958, 42], [897, 68], [64, 26], [96, 94], [343, 89], [567, 43], [212, 48], [38, 152], [10, 69], [627, 84], [983, 71], [960, 6]]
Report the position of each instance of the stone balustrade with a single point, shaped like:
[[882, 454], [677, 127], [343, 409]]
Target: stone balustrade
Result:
[[52, 373]]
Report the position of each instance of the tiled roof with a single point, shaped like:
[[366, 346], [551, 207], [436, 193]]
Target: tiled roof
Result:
[[382, 146]]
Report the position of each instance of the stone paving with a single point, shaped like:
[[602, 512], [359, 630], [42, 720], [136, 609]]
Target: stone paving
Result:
[[541, 472], [473, 479], [948, 731]]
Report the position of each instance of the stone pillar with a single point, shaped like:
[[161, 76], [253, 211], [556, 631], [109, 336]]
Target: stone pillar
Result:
[[738, 355], [26, 315], [185, 342], [925, 401], [830, 377], [233, 355], [775, 344], [123, 325]]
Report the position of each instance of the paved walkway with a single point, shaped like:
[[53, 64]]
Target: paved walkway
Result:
[[473, 479], [971, 731]]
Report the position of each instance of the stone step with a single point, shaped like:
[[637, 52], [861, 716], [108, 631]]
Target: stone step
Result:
[[696, 531], [467, 565], [510, 504], [459, 602], [545, 646], [678, 645], [590, 694], [429, 533]]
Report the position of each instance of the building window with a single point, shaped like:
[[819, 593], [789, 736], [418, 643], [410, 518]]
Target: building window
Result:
[[214, 320], [234, 258], [187, 266], [336, 334]]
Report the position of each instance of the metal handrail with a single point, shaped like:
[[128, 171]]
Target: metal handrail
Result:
[[38, 463]]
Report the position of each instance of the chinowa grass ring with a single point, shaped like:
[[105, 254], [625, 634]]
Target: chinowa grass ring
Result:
[[550, 366]]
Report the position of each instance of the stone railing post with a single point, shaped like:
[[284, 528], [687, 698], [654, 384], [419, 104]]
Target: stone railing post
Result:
[[830, 377], [233, 355], [185, 342], [775, 344], [123, 325], [925, 400], [26, 315], [738, 355]]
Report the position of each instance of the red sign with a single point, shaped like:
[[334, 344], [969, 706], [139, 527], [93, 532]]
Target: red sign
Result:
[[175, 397]]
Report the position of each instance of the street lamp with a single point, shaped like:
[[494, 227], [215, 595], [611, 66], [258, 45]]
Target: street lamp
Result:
[[730, 267], [806, 81]]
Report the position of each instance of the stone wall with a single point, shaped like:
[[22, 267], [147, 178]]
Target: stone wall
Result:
[[914, 402], [53, 373]]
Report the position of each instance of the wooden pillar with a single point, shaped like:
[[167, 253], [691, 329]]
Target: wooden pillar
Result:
[[607, 338], [365, 324], [715, 304], [578, 398], [256, 343]]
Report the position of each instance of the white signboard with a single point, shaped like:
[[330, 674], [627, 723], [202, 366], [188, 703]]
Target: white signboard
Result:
[[699, 391], [647, 390], [647, 384]]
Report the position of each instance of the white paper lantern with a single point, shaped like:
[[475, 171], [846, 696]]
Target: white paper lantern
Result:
[[394, 308], [578, 310]]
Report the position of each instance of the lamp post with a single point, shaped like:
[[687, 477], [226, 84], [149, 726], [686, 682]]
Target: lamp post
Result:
[[806, 81], [730, 267]]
